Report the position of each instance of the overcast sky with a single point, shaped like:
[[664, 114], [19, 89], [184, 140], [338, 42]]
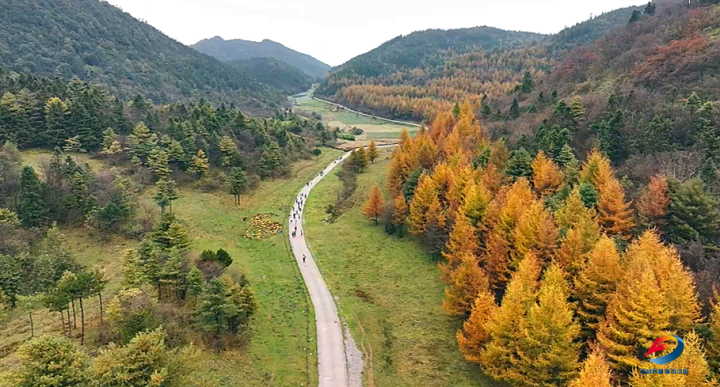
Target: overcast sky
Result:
[[334, 31]]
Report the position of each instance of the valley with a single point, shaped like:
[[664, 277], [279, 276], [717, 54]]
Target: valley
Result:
[[454, 207]]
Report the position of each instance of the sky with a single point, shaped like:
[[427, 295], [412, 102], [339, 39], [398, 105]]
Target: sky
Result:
[[335, 31]]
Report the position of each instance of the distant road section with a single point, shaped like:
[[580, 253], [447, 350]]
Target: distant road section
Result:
[[365, 114]]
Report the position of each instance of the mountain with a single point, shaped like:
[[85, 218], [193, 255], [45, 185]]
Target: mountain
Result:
[[100, 43], [280, 75], [588, 31], [417, 75], [228, 50]]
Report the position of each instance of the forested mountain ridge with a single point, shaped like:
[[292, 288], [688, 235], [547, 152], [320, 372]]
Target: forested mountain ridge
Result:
[[100, 43], [588, 31], [229, 50], [278, 74]]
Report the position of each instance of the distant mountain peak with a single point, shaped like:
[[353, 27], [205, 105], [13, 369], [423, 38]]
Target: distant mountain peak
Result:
[[239, 49]]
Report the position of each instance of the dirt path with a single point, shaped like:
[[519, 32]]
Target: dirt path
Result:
[[332, 364]]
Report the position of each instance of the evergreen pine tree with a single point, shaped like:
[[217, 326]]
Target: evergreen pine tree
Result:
[[237, 183], [31, 207]]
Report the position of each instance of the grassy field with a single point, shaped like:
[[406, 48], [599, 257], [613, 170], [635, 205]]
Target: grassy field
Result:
[[381, 131], [282, 348], [389, 291]]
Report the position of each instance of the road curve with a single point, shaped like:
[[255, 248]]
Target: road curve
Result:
[[364, 114], [332, 367]]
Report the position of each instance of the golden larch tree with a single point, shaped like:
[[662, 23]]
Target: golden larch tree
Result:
[[467, 281], [547, 176], [636, 315], [595, 284], [476, 199], [399, 214], [398, 172], [714, 328], [463, 241], [674, 280], [693, 359], [549, 341], [595, 372], [653, 202], [615, 214], [426, 152], [473, 335], [508, 324], [424, 197], [372, 151], [404, 140], [444, 178], [374, 206], [535, 231]]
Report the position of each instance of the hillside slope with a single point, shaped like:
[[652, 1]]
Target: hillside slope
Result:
[[272, 72], [228, 50], [98, 42]]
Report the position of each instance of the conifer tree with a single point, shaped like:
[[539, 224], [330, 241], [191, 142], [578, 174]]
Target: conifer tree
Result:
[[547, 353], [692, 359], [199, 164], [675, 281], [507, 325], [653, 202], [534, 231], [520, 164], [595, 284], [56, 117], [577, 109], [237, 183], [375, 205], [404, 140], [143, 362], [31, 207], [463, 241], [426, 151], [547, 177], [214, 309], [73, 145], [362, 158], [514, 111], [636, 315], [692, 213], [230, 154], [473, 335], [615, 216], [49, 361], [425, 196], [166, 193], [158, 163], [398, 172], [475, 203], [466, 282], [399, 215], [595, 372], [372, 151], [713, 342], [195, 282]]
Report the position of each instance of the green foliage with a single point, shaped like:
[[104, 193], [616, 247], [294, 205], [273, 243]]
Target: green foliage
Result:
[[31, 207], [143, 362], [132, 311], [49, 361], [589, 195], [237, 183], [692, 213], [166, 193], [275, 73], [172, 71], [520, 164]]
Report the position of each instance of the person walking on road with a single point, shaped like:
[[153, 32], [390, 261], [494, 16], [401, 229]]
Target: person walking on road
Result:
[[303, 258]]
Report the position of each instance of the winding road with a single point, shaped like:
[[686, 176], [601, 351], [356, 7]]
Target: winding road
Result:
[[332, 365]]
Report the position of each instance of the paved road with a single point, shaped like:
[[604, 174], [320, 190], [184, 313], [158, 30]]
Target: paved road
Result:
[[365, 114], [332, 366]]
